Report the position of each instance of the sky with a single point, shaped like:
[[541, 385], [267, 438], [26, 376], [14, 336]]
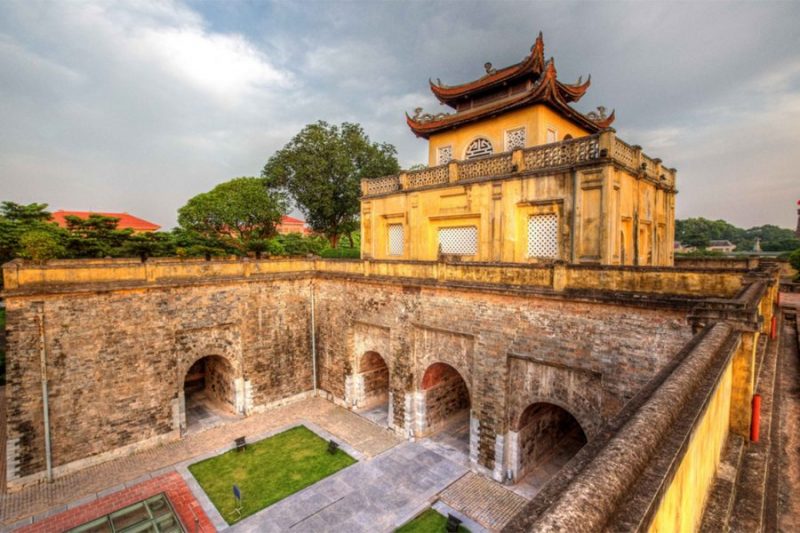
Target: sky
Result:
[[134, 106]]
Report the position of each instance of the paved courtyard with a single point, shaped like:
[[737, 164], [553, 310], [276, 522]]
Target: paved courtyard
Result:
[[376, 495], [392, 482]]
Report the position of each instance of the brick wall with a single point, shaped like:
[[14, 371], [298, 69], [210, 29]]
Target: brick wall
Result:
[[116, 361], [589, 357], [116, 358]]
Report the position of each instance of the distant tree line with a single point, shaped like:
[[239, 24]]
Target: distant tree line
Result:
[[699, 232]]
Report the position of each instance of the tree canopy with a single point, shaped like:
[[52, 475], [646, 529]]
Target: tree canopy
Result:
[[243, 209], [321, 170]]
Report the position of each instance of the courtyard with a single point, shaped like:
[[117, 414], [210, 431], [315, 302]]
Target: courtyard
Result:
[[379, 482]]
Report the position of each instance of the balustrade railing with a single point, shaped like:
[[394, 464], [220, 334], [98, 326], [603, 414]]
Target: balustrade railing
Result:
[[383, 185], [562, 153], [549, 156], [428, 176], [496, 165]]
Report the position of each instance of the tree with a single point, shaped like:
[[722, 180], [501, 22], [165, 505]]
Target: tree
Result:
[[95, 236], [242, 209], [16, 220], [144, 245], [321, 168], [40, 245], [794, 260]]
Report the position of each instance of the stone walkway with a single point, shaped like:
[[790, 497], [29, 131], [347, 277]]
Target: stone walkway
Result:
[[485, 501], [39, 500], [372, 496]]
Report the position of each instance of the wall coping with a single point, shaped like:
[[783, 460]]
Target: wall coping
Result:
[[30, 278]]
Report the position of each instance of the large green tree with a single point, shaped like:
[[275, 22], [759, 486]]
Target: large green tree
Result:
[[242, 209], [321, 169]]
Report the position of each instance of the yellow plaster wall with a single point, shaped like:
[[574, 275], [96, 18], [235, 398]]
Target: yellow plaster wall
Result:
[[604, 211], [26, 276], [535, 119], [681, 507], [744, 381]]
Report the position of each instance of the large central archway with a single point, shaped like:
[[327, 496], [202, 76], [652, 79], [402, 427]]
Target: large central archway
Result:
[[547, 437], [209, 392]]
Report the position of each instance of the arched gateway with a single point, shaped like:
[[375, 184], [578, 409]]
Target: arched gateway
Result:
[[544, 438], [209, 393]]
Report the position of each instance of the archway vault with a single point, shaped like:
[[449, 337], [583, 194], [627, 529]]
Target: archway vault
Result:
[[543, 439]]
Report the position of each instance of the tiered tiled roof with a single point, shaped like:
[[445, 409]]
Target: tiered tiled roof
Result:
[[531, 81]]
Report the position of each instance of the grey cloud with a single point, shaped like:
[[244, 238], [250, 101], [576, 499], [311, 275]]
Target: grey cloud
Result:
[[95, 114]]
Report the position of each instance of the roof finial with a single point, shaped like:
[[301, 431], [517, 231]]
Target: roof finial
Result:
[[537, 54]]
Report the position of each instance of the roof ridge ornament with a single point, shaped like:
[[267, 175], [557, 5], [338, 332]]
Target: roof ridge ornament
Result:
[[537, 53]]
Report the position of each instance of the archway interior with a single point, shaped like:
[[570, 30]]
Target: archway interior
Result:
[[209, 392], [375, 378], [548, 437], [447, 406]]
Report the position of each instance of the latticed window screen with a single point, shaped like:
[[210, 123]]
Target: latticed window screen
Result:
[[459, 241], [479, 148], [396, 238], [543, 236], [445, 155], [515, 139]]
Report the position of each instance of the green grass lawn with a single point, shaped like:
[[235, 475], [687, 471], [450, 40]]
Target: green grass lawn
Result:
[[428, 522], [267, 471]]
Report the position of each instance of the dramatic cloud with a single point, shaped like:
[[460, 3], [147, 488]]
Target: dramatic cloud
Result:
[[137, 106]]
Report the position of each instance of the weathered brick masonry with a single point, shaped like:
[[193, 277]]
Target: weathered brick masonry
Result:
[[117, 352], [116, 361], [512, 350]]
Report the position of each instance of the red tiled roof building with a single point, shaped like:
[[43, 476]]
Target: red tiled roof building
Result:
[[126, 221]]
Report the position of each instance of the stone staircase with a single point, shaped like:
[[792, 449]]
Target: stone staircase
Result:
[[744, 495]]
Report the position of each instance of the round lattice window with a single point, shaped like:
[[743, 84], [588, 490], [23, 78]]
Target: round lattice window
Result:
[[479, 148]]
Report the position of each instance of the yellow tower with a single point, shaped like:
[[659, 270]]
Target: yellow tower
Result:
[[516, 174]]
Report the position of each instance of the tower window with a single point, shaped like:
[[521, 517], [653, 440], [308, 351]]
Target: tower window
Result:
[[552, 135], [479, 148], [396, 239], [515, 139], [543, 236], [458, 241], [444, 155]]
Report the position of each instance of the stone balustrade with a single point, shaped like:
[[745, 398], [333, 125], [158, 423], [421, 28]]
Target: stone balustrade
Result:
[[600, 148]]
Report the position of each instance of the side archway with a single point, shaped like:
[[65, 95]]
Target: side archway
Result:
[[375, 378], [446, 395], [547, 436]]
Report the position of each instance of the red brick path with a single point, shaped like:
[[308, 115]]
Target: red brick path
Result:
[[172, 484]]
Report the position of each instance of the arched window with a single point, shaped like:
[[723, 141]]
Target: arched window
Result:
[[479, 148], [567, 137]]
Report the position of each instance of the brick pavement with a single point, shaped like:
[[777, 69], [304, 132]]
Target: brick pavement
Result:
[[483, 500], [172, 484], [36, 500]]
